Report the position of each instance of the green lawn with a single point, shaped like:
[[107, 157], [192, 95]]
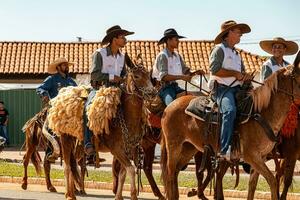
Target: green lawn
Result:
[[185, 179]]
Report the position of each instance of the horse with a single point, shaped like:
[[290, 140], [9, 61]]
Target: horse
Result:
[[148, 143], [35, 139], [124, 133], [289, 152], [183, 135]]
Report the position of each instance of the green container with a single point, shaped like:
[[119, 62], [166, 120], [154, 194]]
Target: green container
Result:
[[22, 104]]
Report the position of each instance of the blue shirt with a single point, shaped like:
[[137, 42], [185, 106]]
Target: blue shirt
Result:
[[53, 83]]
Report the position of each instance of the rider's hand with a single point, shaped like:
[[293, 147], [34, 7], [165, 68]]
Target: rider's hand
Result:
[[239, 76], [247, 77], [45, 99], [117, 79]]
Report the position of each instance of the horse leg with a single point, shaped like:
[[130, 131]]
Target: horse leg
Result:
[[252, 183], [148, 163], [116, 167], [133, 191], [200, 175], [69, 182], [288, 175], [26, 158], [83, 170], [186, 153], [126, 167], [121, 180], [47, 168], [259, 165], [223, 166], [171, 181]]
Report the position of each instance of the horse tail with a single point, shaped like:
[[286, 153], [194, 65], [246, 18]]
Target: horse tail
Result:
[[163, 160], [31, 145], [36, 161]]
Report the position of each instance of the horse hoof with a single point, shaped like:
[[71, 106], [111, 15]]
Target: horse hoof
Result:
[[80, 192], [24, 186], [69, 197], [52, 189], [119, 198], [161, 198], [192, 193]]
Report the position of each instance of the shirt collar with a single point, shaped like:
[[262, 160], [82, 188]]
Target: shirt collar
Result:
[[169, 53], [227, 46], [109, 52], [59, 75], [274, 62]]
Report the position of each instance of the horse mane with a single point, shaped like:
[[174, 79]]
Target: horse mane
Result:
[[262, 94]]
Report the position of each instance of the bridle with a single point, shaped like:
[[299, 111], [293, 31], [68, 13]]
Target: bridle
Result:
[[140, 92]]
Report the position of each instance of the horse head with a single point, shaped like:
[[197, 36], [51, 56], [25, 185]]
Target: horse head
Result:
[[138, 82]]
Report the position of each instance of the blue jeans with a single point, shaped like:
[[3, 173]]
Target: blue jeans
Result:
[[169, 92], [4, 133], [225, 98], [87, 132]]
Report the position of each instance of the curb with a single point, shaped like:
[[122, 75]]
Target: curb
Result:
[[146, 188]]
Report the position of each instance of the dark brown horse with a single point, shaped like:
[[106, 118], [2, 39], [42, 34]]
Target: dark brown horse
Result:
[[183, 135], [124, 133], [35, 139]]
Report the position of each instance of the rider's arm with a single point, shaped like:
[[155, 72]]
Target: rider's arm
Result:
[[45, 87], [185, 69], [96, 68], [216, 61]]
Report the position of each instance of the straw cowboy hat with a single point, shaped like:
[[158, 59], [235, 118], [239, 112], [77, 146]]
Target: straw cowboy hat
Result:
[[229, 25], [52, 67], [113, 32], [291, 47], [169, 33]]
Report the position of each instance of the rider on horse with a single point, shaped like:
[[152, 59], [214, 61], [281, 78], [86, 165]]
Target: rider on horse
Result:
[[169, 67], [108, 69], [227, 75], [52, 84], [278, 47]]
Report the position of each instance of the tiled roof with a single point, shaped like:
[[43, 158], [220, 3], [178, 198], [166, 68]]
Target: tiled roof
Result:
[[34, 57]]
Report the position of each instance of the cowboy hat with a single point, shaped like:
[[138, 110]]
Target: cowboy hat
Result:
[[113, 32], [169, 33], [52, 67], [229, 25], [291, 47]]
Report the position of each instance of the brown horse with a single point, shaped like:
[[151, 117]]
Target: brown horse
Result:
[[35, 139], [149, 141], [124, 133], [272, 100], [289, 150]]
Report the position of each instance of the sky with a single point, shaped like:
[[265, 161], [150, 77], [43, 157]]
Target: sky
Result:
[[64, 20]]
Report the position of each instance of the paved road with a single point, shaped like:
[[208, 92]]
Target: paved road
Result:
[[11, 191]]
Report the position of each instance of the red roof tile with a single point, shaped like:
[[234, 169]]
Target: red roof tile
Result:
[[34, 57]]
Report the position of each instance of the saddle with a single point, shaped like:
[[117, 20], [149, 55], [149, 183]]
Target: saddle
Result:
[[205, 109]]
